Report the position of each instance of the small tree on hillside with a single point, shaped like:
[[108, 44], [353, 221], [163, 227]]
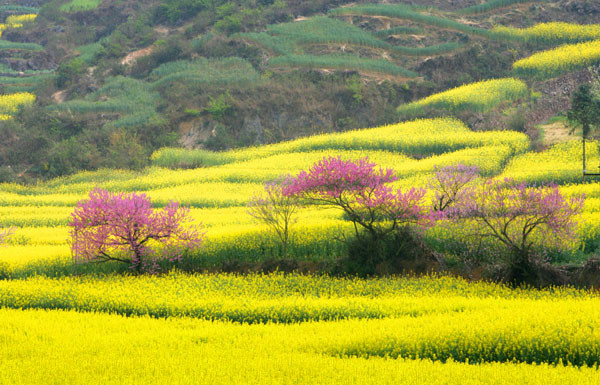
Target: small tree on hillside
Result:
[[276, 210], [125, 228]]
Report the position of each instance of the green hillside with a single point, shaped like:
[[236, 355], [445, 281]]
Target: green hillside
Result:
[[115, 81]]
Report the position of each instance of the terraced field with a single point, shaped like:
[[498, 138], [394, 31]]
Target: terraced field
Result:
[[17, 86], [219, 189]]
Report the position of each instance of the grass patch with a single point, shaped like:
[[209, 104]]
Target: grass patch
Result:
[[346, 62]]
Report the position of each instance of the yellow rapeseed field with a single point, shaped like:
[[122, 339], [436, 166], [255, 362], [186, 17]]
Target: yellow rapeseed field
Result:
[[263, 329], [554, 62], [218, 192], [554, 32], [478, 96]]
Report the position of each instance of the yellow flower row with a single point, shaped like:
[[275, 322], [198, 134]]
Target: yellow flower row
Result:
[[19, 20], [478, 96], [132, 350], [554, 62], [554, 32], [9, 104], [16, 21]]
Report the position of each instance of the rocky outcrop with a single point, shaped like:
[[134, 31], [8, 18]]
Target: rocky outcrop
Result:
[[581, 7]]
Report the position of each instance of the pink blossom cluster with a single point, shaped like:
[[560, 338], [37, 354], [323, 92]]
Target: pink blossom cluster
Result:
[[515, 212], [359, 188], [404, 207], [124, 227], [452, 184], [333, 177]]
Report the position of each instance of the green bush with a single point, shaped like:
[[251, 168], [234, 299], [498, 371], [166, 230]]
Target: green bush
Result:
[[69, 71]]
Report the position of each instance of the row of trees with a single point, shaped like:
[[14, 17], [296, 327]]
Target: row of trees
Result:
[[504, 220]]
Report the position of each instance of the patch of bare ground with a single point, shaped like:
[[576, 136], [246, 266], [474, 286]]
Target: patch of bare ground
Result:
[[59, 96], [132, 57], [555, 96], [161, 30], [380, 77], [556, 132], [194, 132]]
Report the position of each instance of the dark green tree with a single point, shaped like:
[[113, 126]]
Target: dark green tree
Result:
[[584, 112], [585, 109]]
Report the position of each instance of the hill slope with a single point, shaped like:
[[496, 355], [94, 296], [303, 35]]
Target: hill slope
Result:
[[116, 80]]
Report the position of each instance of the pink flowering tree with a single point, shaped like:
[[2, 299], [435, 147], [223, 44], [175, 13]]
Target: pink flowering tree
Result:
[[125, 228], [361, 190], [521, 219], [452, 185], [275, 209]]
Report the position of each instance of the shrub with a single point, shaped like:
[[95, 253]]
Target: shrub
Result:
[[69, 71], [124, 228]]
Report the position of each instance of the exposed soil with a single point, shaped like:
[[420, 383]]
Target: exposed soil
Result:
[[132, 57], [555, 133], [59, 96], [555, 96]]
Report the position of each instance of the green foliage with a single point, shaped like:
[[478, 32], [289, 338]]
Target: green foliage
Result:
[[289, 39], [132, 99], [204, 71], [69, 156], [517, 121], [162, 51], [80, 5], [172, 11], [229, 24], [325, 30], [220, 106], [88, 53], [125, 150], [13, 8], [402, 11], [11, 45], [272, 43], [193, 112], [490, 5], [69, 71], [347, 62], [390, 255], [356, 87], [11, 84], [585, 109]]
